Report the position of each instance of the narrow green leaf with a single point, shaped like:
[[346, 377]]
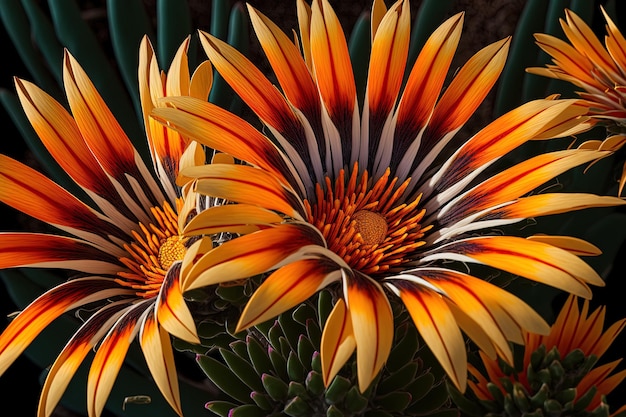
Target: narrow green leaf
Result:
[[173, 26], [221, 408], [16, 24], [244, 371], [359, 46], [224, 378], [258, 356], [276, 388]]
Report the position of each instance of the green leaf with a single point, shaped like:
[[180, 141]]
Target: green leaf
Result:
[[244, 371], [224, 379], [258, 356], [359, 47], [276, 388], [174, 25], [297, 407], [295, 369], [16, 23], [128, 23], [221, 408], [337, 389], [248, 410]]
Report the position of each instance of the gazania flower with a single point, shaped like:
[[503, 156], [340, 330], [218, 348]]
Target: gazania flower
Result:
[[374, 195], [127, 252], [599, 72], [576, 340]]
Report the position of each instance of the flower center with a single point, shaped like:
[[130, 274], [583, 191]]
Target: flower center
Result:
[[154, 250], [368, 224], [371, 225]]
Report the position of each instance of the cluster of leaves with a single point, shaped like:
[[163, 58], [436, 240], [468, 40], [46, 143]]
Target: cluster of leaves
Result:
[[274, 369], [551, 390]]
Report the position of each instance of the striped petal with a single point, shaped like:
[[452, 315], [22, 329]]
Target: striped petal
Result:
[[372, 323], [531, 259], [464, 94], [290, 69], [573, 245], [527, 122], [512, 183], [47, 307], [157, 349], [105, 137], [235, 218], [37, 250], [172, 311], [221, 130], [73, 354], [285, 288], [337, 341], [390, 49], [438, 326], [424, 83], [333, 70], [253, 254], [110, 356], [32, 193], [246, 184], [59, 133]]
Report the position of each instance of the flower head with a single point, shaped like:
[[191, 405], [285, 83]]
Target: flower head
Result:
[[559, 365], [599, 71], [374, 196], [127, 252]]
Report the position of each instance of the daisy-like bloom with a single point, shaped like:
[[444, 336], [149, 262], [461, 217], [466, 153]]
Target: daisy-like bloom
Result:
[[127, 252], [374, 195], [599, 72], [573, 329]]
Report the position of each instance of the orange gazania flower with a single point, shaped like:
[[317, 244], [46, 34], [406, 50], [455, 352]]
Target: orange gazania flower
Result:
[[127, 252], [599, 72], [573, 329], [379, 200]]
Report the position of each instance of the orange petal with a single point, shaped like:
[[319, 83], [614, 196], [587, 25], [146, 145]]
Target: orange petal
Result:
[[60, 135], [438, 327], [104, 136], [287, 287], [110, 356], [46, 308], [465, 93], [157, 349], [172, 311], [425, 81], [337, 341], [554, 203], [246, 184], [531, 259], [387, 63], [372, 323], [235, 218], [30, 192], [506, 133], [38, 250], [573, 245], [570, 63], [513, 182], [254, 254], [331, 60], [74, 353], [221, 130]]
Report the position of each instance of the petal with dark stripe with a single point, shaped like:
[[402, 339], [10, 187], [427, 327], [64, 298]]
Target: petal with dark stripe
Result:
[[39, 250], [534, 260], [234, 218], [248, 185], [287, 287], [47, 307], [337, 341], [438, 326], [171, 310], [219, 129], [110, 356], [32, 193], [423, 86], [253, 254], [372, 323], [59, 133], [74, 353], [157, 349]]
